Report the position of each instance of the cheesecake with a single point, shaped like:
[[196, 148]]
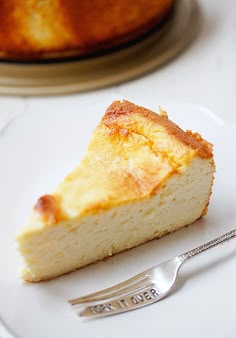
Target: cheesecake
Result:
[[141, 177], [39, 30]]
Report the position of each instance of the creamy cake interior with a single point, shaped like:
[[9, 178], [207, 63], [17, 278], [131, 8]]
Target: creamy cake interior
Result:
[[141, 177]]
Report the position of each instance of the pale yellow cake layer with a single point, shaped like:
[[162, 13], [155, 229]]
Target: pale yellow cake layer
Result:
[[141, 177], [71, 244]]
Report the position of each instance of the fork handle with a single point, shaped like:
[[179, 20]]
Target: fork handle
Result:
[[219, 240]]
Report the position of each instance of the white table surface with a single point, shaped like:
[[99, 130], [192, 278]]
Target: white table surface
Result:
[[204, 74]]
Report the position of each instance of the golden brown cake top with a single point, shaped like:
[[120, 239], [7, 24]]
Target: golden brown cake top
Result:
[[131, 154], [124, 114], [36, 29]]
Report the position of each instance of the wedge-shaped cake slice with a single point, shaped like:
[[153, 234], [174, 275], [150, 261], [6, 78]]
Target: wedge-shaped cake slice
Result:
[[141, 177]]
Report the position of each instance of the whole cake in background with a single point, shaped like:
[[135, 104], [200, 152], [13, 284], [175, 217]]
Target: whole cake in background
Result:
[[39, 29]]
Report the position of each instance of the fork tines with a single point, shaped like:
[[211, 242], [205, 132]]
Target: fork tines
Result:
[[128, 295]]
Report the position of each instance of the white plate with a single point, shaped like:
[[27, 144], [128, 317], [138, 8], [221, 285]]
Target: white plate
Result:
[[36, 151]]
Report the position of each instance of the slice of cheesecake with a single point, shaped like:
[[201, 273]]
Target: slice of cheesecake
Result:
[[141, 177]]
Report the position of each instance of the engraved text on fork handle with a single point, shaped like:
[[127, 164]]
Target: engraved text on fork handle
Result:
[[219, 240]]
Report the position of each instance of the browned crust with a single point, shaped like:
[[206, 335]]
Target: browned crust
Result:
[[90, 26], [121, 117], [120, 113], [48, 208]]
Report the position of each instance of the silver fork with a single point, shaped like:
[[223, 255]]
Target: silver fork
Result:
[[143, 289]]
